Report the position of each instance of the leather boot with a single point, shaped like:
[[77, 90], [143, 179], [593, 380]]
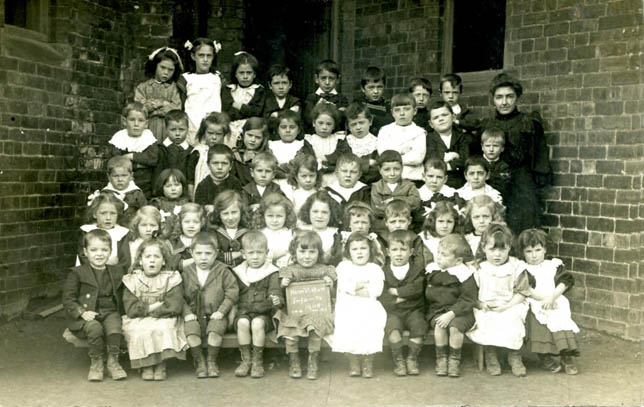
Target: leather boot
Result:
[[441, 361], [312, 368], [412, 358], [454, 362], [354, 365], [244, 366], [257, 362], [147, 373], [400, 369], [367, 366], [159, 372], [492, 361], [114, 369], [569, 365], [294, 369], [199, 362], [213, 353], [95, 368], [514, 359]]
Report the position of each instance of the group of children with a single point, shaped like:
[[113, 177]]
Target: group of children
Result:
[[213, 211]]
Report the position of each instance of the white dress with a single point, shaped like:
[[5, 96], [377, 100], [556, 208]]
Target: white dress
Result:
[[278, 243], [431, 242], [359, 321], [203, 96], [242, 96]]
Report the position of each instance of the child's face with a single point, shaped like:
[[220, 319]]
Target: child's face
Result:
[[262, 174], [450, 94], [434, 179], [444, 224], [275, 217], [391, 172], [359, 127], [191, 224], [215, 134], [359, 223], [306, 257], [306, 178], [481, 218], [177, 131], [106, 215], [231, 216], [323, 125], [253, 139], [445, 258], [359, 252], [534, 255], [245, 75], [348, 174], [203, 56], [505, 100], [255, 256], [147, 227], [421, 95], [120, 178], [280, 85], [476, 176], [97, 253], [219, 166], [135, 123], [492, 148], [320, 215], [204, 256], [373, 90], [164, 71], [495, 255], [403, 115], [441, 120], [399, 253], [152, 260], [172, 189], [394, 223], [326, 80], [288, 130]]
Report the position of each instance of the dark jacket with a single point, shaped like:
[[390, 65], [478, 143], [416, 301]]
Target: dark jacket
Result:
[[410, 288]]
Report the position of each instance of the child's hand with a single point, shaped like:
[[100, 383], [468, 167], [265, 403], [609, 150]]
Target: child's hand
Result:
[[328, 280], [253, 207], [499, 308], [450, 156], [444, 320], [186, 263], [190, 317], [393, 291], [209, 208], [484, 306], [89, 315], [286, 282], [237, 105], [275, 300], [293, 108], [549, 302], [399, 300], [362, 292], [217, 315]]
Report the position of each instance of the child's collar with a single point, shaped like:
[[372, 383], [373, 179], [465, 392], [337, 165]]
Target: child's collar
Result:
[[123, 141], [320, 92], [460, 271], [167, 142], [218, 182], [130, 187]]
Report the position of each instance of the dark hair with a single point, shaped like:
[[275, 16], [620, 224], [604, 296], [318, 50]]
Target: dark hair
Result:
[[529, 238], [198, 43], [307, 239], [422, 82], [225, 200], [221, 149], [241, 58], [276, 199], [357, 208], [253, 123], [403, 99], [439, 104], [288, 114], [104, 197], [355, 109], [335, 211], [307, 161], [97, 234], [441, 208], [373, 74], [151, 64], [278, 70], [206, 239], [328, 65], [435, 163], [216, 118], [327, 109], [350, 158], [176, 115], [165, 175], [389, 156], [359, 237], [405, 237], [500, 236], [453, 80], [474, 160], [505, 79], [397, 207]]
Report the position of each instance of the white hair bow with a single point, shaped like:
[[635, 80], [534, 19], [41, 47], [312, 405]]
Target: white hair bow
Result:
[[217, 46], [174, 51], [188, 45]]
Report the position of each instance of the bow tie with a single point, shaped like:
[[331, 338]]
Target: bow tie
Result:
[[327, 95]]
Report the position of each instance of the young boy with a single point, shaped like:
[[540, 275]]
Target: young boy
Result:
[[372, 87], [398, 217], [259, 296], [220, 161], [405, 137], [391, 185], [262, 172], [477, 172], [402, 298], [347, 187], [174, 151], [451, 88], [451, 294], [447, 142], [210, 291], [92, 299], [279, 98], [493, 144], [327, 75], [138, 144], [119, 174], [421, 90]]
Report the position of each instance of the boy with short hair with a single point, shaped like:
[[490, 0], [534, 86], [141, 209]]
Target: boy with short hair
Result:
[[262, 172], [391, 185], [174, 150], [347, 186], [372, 87], [398, 217], [92, 299], [327, 76], [405, 137], [421, 90], [477, 172], [451, 293], [220, 162], [451, 88], [493, 144], [279, 98], [121, 184], [402, 298]]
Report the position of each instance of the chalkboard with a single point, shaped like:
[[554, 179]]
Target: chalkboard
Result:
[[308, 297]]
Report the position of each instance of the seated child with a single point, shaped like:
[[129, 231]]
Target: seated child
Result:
[[405, 137], [214, 129], [174, 150], [500, 313], [347, 188], [402, 297], [450, 89], [119, 174], [210, 290], [477, 172], [306, 250], [153, 299], [442, 220], [253, 141], [479, 213], [262, 172], [303, 181], [191, 220], [92, 299], [492, 144], [279, 98], [229, 222], [451, 293], [398, 217], [358, 217], [391, 185], [259, 297], [220, 160], [138, 144], [327, 75], [277, 221], [552, 330], [372, 89], [325, 139], [322, 214], [288, 147], [421, 90]]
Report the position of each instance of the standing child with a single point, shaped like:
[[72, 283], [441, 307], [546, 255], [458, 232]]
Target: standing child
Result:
[[322, 214], [451, 294], [442, 220], [159, 94], [550, 325], [288, 147], [325, 140], [303, 181], [477, 172], [171, 190], [214, 129], [402, 297], [229, 222], [479, 213], [358, 217], [327, 77], [91, 297], [262, 173], [260, 296], [451, 88], [421, 90], [501, 310], [210, 291], [153, 300], [359, 317], [137, 144], [201, 90], [174, 150], [191, 221], [276, 221], [253, 141], [220, 162], [493, 144], [279, 98], [347, 186], [372, 88], [306, 249], [391, 185], [119, 174]]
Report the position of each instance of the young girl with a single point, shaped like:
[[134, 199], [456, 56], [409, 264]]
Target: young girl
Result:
[[276, 222], [191, 220], [254, 140], [229, 222], [144, 225], [501, 310], [325, 141], [213, 130], [153, 302], [160, 94], [171, 190], [442, 220], [103, 212], [242, 98], [479, 213], [358, 217], [322, 214], [359, 316], [306, 249], [303, 181], [550, 326], [288, 146]]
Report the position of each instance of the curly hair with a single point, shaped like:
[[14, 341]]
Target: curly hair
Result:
[[224, 201], [147, 211], [359, 237], [253, 123], [335, 211], [529, 238], [102, 198], [496, 210], [306, 161], [275, 199], [441, 208], [357, 208], [163, 246], [216, 118]]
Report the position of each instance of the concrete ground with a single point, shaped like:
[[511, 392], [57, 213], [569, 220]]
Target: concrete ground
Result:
[[38, 368]]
